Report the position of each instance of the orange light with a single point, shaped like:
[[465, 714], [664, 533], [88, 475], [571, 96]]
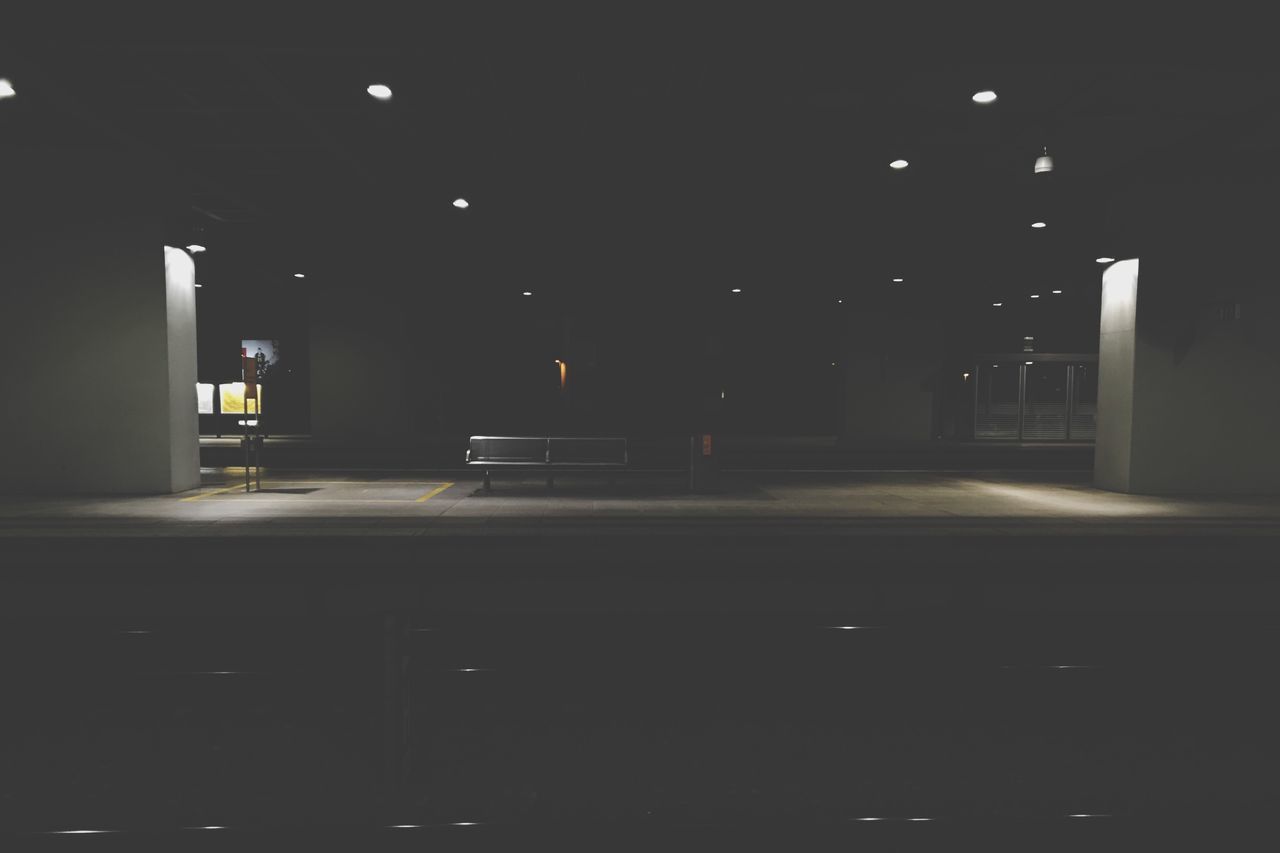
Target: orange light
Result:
[[563, 373]]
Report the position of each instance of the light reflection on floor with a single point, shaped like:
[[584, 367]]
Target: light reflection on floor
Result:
[[406, 501]]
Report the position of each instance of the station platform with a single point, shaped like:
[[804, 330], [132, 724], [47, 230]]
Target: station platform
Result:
[[671, 453], [418, 503]]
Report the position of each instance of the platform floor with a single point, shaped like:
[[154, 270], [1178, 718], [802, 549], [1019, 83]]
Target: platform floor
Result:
[[325, 503]]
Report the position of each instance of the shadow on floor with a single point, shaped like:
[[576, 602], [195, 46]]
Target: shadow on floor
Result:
[[600, 490]]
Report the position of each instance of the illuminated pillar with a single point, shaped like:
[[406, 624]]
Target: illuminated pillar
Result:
[[1189, 361], [98, 364]]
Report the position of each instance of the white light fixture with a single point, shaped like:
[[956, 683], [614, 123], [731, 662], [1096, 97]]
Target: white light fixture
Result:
[[299, 275], [527, 293], [461, 203], [1035, 296], [1037, 224], [897, 281], [82, 831], [898, 164], [996, 304], [986, 96], [195, 248], [839, 301], [1044, 163], [1057, 291], [1029, 363], [1105, 260], [380, 91], [199, 285], [6, 89], [736, 290]]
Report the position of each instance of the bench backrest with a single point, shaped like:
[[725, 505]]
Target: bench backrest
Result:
[[486, 448], [553, 449]]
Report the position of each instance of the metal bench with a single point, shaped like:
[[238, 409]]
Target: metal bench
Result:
[[549, 453]]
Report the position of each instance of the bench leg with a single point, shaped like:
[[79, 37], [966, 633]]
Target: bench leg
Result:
[[488, 487]]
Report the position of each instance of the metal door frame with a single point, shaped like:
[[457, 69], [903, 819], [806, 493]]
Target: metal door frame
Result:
[[1070, 359]]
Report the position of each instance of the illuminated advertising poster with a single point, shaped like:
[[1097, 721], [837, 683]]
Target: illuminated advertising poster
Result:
[[204, 398], [231, 395], [265, 353]]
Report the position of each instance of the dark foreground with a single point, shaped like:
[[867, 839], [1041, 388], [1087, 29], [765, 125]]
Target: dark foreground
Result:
[[802, 684]]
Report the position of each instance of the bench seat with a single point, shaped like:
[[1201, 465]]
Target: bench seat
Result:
[[548, 453]]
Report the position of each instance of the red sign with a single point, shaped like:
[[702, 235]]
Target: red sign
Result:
[[706, 445], [250, 368]]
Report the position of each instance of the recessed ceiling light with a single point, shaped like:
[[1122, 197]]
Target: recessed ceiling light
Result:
[[81, 831], [199, 285], [299, 275], [1057, 291], [380, 91], [1035, 296], [996, 304], [6, 89], [527, 293], [1037, 224], [195, 248], [461, 203], [839, 301], [897, 281], [898, 164], [1105, 260], [986, 96], [736, 290]]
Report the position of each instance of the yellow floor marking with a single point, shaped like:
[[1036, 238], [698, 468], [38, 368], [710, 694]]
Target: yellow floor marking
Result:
[[282, 481], [257, 499], [214, 492], [277, 483], [431, 494]]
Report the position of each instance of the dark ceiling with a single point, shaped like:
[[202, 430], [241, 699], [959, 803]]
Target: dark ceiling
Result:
[[598, 151]]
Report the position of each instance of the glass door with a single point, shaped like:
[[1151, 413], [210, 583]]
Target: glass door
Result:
[[1084, 402], [999, 395], [1044, 416]]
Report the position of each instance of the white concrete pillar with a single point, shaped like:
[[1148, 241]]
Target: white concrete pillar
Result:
[[1189, 362], [97, 364]]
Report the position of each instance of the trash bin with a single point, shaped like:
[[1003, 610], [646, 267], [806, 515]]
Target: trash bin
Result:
[[703, 465]]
